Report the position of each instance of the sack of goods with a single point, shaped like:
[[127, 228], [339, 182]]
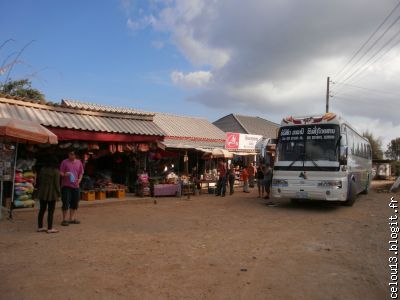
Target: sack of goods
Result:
[[24, 189]]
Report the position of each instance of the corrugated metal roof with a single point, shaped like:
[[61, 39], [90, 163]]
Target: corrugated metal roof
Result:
[[172, 125], [56, 118], [191, 144], [247, 124], [190, 127], [103, 108]]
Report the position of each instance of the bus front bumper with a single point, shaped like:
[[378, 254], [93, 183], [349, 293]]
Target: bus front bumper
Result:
[[310, 193]]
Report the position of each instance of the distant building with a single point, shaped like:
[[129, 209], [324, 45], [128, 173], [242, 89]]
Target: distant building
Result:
[[247, 125], [248, 128]]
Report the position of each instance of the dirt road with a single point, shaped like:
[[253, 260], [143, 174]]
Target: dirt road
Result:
[[210, 247]]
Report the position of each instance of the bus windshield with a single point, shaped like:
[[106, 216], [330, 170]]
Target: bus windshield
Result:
[[309, 143]]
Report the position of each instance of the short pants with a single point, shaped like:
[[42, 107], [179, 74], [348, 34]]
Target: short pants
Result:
[[70, 198]]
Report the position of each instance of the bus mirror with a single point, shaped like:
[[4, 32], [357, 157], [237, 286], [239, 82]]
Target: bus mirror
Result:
[[343, 155]]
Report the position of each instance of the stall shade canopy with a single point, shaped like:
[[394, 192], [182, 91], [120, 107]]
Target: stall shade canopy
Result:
[[24, 131], [217, 153]]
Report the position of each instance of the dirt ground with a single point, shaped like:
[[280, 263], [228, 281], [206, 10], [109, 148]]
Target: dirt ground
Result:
[[207, 247]]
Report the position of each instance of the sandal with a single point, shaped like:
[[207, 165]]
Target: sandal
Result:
[[74, 222], [52, 231], [41, 229], [64, 223]]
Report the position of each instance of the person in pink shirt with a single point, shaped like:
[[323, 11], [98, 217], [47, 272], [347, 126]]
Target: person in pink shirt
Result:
[[71, 171]]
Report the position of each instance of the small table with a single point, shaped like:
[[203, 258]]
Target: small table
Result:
[[166, 190], [207, 182]]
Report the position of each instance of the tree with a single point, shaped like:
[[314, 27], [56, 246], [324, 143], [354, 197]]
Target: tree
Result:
[[21, 88], [393, 149], [376, 145]]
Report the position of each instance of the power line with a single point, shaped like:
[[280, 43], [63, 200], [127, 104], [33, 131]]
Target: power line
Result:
[[377, 59], [368, 89], [362, 67], [367, 41], [370, 48], [365, 101]]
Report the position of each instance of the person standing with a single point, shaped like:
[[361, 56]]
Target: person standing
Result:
[[267, 180], [48, 193], [71, 171], [260, 182], [221, 190], [252, 172], [231, 179], [245, 176]]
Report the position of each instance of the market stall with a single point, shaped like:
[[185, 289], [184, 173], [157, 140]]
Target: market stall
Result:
[[12, 133], [210, 177]]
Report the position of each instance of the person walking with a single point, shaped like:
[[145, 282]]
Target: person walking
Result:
[[252, 173], [260, 182], [71, 171], [221, 189], [48, 193], [267, 180], [231, 179], [245, 176]]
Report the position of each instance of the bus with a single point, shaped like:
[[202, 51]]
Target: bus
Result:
[[321, 158]]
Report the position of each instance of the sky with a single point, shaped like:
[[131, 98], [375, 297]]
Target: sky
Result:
[[210, 58]]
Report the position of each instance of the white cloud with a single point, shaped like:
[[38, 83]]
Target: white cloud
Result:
[[273, 57], [141, 23], [197, 79]]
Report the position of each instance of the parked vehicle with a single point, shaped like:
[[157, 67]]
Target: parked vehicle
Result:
[[321, 158]]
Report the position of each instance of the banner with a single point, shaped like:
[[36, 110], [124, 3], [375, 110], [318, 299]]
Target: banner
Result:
[[240, 141]]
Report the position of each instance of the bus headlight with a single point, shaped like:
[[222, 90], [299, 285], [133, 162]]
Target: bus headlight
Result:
[[330, 184], [279, 182]]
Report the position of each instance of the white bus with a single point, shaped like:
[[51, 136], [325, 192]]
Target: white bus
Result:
[[321, 158]]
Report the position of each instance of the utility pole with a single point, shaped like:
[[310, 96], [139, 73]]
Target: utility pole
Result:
[[327, 94]]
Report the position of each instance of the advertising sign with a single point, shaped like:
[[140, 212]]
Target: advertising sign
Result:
[[239, 141]]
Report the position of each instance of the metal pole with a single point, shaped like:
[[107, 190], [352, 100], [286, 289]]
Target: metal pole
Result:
[[13, 180], [327, 94]]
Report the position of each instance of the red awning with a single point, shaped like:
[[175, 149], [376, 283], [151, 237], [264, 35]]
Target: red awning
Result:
[[71, 134]]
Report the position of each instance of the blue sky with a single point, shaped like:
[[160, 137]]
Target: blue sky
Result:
[[84, 50], [211, 58]]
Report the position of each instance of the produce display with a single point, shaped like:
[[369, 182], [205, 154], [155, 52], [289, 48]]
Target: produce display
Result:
[[24, 182]]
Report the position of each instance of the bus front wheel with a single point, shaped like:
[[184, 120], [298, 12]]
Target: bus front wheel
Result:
[[352, 195]]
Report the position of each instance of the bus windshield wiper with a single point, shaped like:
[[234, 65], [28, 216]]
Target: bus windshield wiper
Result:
[[313, 161], [296, 160]]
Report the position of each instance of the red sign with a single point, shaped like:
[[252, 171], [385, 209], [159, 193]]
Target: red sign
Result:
[[232, 140]]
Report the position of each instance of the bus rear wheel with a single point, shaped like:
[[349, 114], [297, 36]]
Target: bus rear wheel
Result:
[[352, 196], [366, 191]]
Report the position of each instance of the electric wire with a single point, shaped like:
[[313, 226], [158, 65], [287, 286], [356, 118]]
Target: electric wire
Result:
[[367, 41]]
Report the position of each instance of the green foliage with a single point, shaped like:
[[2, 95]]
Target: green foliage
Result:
[[21, 88], [396, 168], [376, 145], [393, 151]]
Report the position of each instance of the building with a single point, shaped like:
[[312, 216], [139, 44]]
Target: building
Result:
[[114, 144], [250, 136], [189, 138], [247, 125]]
